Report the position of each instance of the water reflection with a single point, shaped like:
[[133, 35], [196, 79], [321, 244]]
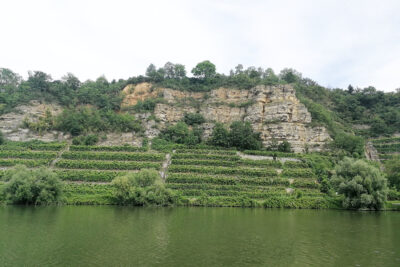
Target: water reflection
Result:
[[126, 236]]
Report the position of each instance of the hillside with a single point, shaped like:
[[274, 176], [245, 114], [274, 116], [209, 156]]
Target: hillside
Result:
[[252, 138]]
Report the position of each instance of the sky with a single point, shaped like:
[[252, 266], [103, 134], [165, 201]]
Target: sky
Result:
[[335, 43]]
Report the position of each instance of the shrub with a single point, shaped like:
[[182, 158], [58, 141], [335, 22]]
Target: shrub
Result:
[[193, 118], [181, 134], [219, 136], [241, 135], [142, 188], [285, 147], [350, 143], [363, 185], [40, 186], [392, 168], [88, 140], [2, 140]]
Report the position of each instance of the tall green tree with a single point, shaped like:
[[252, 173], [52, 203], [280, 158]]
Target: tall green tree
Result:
[[204, 70], [364, 186]]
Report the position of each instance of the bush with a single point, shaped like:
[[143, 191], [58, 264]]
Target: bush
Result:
[[193, 118], [40, 186], [241, 135], [88, 140], [363, 185], [219, 136], [181, 134], [142, 188], [285, 147], [353, 145], [2, 139], [392, 168]]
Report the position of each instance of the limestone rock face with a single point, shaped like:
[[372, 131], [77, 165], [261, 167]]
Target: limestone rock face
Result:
[[11, 123], [274, 111]]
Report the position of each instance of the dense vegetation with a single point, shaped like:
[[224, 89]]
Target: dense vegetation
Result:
[[142, 188], [363, 185], [38, 187]]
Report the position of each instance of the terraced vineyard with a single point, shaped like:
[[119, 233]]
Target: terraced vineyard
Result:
[[203, 176], [387, 147], [219, 177]]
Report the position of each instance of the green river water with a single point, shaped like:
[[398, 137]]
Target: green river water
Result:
[[127, 236]]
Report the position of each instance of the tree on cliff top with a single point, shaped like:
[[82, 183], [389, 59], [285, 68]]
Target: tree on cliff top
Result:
[[204, 70]]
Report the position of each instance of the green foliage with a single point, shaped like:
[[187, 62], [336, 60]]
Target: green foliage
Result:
[[40, 186], [219, 136], [193, 118], [204, 156], [88, 140], [27, 154], [353, 145], [392, 169], [106, 165], [147, 105], [191, 178], [206, 151], [88, 194], [163, 145], [113, 156], [28, 162], [86, 119], [88, 175], [2, 139], [363, 185], [222, 170], [204, 70], [142, 188], [180, 134], [126, 148], [241, 136], [43, 124], [285, 147]]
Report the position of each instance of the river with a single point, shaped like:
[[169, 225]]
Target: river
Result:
[[129, 236]]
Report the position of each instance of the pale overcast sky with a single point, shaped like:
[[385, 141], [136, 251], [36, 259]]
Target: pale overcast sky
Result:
[[333, 42]]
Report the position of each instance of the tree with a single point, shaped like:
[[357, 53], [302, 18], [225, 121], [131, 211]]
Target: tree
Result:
[[290, 75], [363, 185], [9, 78], [392, 168], [39, 81], [176, 133], [204, 70], [285, 147], [241, 136], [154, 74], [219, 136], [354, 145], [38, 186], [180, 71]]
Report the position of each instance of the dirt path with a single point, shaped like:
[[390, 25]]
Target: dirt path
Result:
[[53, 163], [165, 165]]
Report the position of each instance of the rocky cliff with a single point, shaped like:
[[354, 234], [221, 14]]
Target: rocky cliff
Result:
[[274, 111]]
